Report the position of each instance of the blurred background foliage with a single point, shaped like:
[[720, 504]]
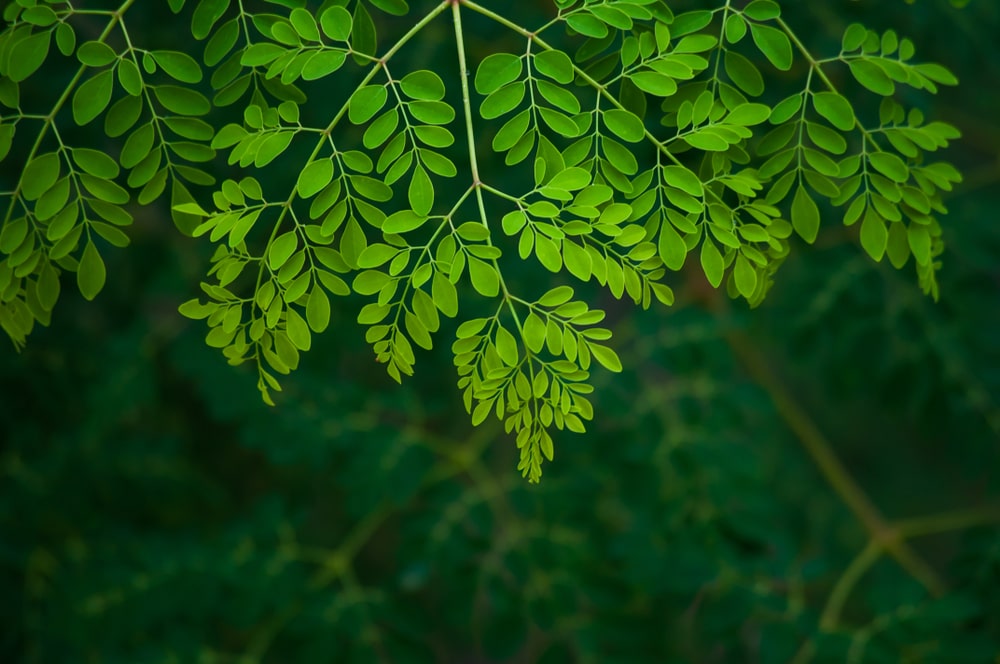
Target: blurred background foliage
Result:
[[152, 509]]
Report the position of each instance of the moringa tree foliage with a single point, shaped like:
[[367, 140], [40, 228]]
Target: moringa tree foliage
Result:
[[622, 142]]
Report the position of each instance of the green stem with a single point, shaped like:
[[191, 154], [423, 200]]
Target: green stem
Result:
[[470, 133]]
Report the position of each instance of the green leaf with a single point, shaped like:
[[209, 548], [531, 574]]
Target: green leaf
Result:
[[484, 277], [137, 146], [607, 357], [890, 166], [548, 253], [496, 71], [65, 39], [445, 295], [936, 73], [304, 23], [27, 55], [205, 16], [534, 333], [577, 261], [363, 35], [872, 76], [314, 177], [297, 330], [323, 63], [671, 247], [423, 85], [684, 179], [421, 191], [92, 97], [785, 109], [557, 296], [919, 240], [425, 310], [48, 287], [654, 83], [39, 175], [417, 331], [318, 310], [554, 64], [13, 234], [183, 101], [179, 66], [762, 10], [570, 179], [748, 115], [260, 54], [624, 124], [432, 112], [835, 108], [854, 36], [6, 140], [403, 222], [282, 249], [897, 245], [506, 346], [512, 131], [394, 7], [745, 276], [39, 15], [774, 44], [366, 102], [96, 163], [587, 25], [370, 282], [743, 73], [96, 54], [91, 273], [712, 263], [874, 236], [559, 96], [805, 215], [377, 254]]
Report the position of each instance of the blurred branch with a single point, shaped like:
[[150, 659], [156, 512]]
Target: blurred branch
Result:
[[839, 478], [949, 521], [842, 589]]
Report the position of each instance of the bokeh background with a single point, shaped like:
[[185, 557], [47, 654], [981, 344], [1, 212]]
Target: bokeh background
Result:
[[152, 509]]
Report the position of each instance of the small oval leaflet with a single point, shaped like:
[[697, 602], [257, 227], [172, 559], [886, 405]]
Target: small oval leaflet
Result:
[[314, 177], [497, 70], [835, 108], [424, 85]]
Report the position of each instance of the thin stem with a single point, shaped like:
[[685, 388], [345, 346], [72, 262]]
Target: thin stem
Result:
[[470, 136], [467, 106]]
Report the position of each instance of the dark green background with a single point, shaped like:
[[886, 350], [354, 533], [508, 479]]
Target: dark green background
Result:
[[152, 509]]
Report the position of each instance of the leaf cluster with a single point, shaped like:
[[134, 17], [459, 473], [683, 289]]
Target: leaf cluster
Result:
[[633, 136]]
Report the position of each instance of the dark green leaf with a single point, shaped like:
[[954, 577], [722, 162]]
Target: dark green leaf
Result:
[[91, 273]]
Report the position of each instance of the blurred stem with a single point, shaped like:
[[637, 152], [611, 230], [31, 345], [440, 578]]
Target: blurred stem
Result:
[[942, 523], [845, 584], [833, 470]]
